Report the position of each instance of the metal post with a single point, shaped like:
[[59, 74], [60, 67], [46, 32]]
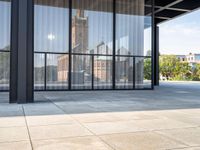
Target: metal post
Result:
[[92, 72], [70, 44], [13, 52], [153, 44], [156, 56], [114, 46], [21, 82], [45, 71], [133, 72]]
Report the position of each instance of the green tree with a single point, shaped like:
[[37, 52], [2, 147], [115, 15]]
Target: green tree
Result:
[[147, 69], [173, 69], [167, 66], [196, 73], [183, 71]]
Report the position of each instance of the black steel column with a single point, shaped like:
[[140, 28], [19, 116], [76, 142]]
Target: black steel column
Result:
[[156, 56], [30, 52], [22, 52], [13, 52]]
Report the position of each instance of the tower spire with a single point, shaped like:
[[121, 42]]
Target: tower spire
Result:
[[80, 13]]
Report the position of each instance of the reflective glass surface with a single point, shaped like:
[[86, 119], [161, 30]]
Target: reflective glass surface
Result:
[[103, 72], [51, 25], [124, 77], [39, 71], [81, 72], [92, 26], [89, 61], [57, 71], [5, 24], [133, 27]]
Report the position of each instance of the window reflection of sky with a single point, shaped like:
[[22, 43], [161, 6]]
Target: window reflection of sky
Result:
[[99, 27], [5, 17]]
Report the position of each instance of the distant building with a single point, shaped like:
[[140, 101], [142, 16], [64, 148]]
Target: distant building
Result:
[[103, 64], [80, 32], [192, 59], [63, 67], [103, 68], [79, 45], [181, 57]]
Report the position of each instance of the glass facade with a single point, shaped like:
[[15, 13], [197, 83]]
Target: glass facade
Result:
[[92, 44], [81, 72], [51, 44], [5, 17], [39, 71]]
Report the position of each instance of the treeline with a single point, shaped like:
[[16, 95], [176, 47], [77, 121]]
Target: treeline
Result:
[[171, 68]]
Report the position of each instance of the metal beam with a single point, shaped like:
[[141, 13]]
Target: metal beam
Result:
[[163, 18], [168, 6]]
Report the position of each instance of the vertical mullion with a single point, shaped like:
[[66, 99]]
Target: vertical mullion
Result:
[[153, 44], [70, 43], [133, 72], [114, 38], [45, 71], [92, 72]]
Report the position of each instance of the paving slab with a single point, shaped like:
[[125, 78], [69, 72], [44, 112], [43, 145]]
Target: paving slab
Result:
[[57, 131], [101, 128], [189, 136], [161, 124], [22, 145], [12, 121], [50, 120], [78, 143], [190, 148], [141, 141], [12, 134]]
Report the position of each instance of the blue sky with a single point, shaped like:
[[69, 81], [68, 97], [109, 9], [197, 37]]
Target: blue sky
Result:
[[181, 35]]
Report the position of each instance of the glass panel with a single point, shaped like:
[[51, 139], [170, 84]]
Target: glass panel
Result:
[[124, 73], [39, 62], [92, 26], [102, 72], [4, 70], [133, 27], [143, 73], [57, 71], [51, 25], [5, 15], [81, 72]]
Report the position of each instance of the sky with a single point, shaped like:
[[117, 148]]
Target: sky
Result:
[[181, 35]]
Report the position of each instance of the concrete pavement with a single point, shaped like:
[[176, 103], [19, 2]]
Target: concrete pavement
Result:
[[166, 118]]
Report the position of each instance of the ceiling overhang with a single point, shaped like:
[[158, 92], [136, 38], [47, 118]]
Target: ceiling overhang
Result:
[[168, 9]]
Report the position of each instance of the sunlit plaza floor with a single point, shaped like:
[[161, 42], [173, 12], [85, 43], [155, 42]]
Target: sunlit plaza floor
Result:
[[165, 118]]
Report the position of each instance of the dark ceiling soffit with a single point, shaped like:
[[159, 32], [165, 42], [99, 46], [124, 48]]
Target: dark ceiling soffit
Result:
[[164, 9], [174, 9]]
